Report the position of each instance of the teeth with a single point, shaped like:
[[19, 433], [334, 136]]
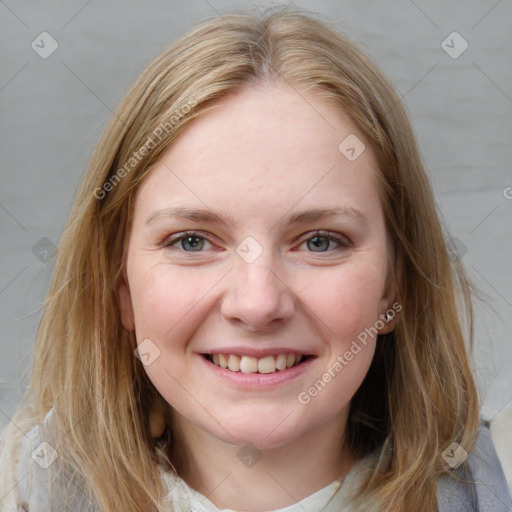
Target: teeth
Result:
[[267, 364], [234, 363], [249, 364], [223, 360], [281, 362]]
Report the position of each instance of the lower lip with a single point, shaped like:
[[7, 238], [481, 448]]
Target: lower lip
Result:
[[257, 380]]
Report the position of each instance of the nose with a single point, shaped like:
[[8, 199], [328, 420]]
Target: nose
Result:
[[258, 296]]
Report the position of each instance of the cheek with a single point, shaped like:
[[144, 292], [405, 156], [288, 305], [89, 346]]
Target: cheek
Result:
[[166, 304], [164, 301], [346, 299]]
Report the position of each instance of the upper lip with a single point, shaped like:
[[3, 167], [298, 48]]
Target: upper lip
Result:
[[258, 352]]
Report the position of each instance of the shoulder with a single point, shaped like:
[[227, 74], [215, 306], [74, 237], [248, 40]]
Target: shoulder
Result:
[[501, 433], [477, 484], [17, 475], [42, 484]]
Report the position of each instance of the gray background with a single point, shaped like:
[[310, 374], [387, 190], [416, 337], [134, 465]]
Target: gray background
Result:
[[54, 110]]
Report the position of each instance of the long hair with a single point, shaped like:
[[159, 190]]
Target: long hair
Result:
[[419, 393]]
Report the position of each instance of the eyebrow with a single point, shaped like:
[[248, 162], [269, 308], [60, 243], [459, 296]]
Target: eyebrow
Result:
[[202, 215]]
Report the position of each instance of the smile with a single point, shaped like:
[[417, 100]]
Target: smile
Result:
[[249, 364]]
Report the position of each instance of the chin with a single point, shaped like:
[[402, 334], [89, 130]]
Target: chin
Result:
[[263, 434]]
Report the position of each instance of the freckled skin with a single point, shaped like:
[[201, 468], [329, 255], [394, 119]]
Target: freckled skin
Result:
[[263, 153]]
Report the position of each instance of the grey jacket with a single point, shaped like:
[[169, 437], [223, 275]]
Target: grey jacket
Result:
[[482, 486], [486, 489]]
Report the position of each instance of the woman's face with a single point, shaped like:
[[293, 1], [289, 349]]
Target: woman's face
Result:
[[254, 286]]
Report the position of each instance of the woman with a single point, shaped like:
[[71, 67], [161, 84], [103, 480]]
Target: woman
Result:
[[253, 306]]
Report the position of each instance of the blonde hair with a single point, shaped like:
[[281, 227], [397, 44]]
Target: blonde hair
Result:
[[419, 393]]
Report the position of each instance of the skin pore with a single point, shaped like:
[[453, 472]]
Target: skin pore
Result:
[[262, 155]]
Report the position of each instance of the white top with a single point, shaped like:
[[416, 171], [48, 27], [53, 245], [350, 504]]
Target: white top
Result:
[[36, 469], [332, 498], [30, 490]]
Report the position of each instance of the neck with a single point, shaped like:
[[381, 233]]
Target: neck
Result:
[[247, 478]]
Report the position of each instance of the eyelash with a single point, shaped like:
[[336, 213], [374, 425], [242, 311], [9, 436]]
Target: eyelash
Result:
[[341, 240]]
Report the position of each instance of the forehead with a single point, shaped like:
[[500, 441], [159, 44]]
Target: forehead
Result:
[[265, 149]]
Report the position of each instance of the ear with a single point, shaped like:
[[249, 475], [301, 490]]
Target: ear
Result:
[[390, 302], [125, 302]]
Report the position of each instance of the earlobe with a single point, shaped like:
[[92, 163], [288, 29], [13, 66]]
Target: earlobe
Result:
[[389, 318], [390, 301], [390, 311], [125, 302]]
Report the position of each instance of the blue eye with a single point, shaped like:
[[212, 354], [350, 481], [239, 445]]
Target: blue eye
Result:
[[318, 242], [191, 240], [321, 240]]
